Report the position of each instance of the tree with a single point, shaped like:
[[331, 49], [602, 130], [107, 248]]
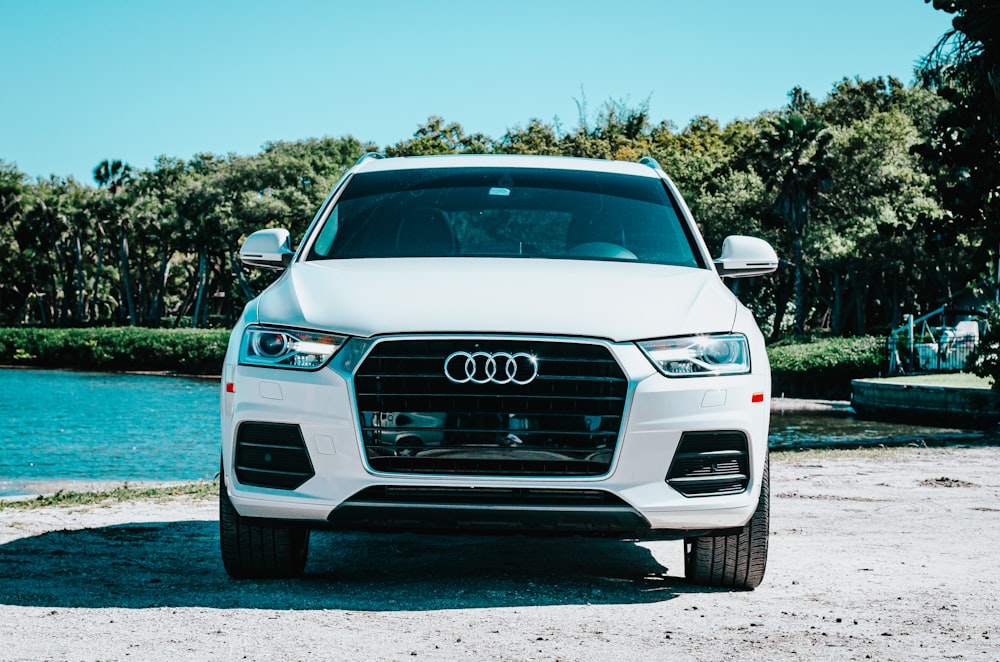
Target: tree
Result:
[[868, 238], [620, 132], [692, 156], [857, 99], [114, 176], [13, 185], [964, 69], [537, 138], [437, 137], [794, 163], [41, 236]]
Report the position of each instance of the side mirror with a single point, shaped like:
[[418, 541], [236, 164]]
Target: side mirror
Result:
[[746, 256], [270, 249]]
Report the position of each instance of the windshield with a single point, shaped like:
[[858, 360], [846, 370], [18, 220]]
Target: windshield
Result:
[[505, 212]]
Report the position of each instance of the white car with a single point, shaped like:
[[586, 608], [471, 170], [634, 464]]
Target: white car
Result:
[[499, 343]]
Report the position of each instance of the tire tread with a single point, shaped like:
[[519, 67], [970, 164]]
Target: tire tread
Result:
[[738, 560], [251, 550]]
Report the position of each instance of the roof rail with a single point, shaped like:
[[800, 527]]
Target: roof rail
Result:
[[369, 155], [651, 162]]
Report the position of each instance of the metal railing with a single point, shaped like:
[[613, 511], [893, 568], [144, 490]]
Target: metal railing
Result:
[[919, 347], [947, 355]]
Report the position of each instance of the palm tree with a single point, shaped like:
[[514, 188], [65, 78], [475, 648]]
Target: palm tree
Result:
[[795, 164], [114, 176]]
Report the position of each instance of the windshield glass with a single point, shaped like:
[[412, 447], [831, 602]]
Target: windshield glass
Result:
[[505, 212]]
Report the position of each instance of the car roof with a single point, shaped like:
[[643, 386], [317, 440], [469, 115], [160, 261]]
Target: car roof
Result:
[[370, 164]]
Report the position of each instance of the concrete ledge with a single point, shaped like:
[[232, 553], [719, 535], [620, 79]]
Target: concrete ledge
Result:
[[943, 406]]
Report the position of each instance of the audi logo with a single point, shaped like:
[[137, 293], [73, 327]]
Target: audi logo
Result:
[[485, 368]]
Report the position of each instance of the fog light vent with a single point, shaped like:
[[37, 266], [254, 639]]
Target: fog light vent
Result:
[[272, 455], [710, 463]]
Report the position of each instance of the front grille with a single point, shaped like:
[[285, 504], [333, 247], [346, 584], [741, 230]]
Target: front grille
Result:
[[272, 455], [565, 422], [710, 463]]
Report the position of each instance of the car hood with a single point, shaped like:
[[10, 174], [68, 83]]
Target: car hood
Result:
[[619, 301]]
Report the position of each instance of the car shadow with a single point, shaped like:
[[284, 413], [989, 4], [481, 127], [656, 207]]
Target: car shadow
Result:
[[177, 564]]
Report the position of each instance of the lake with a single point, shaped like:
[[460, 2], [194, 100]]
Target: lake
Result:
[[77, 427], [78, 430]]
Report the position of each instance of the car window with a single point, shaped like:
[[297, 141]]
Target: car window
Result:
[[505, 212]]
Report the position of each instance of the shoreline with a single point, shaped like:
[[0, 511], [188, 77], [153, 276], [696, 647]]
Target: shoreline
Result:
[[148, 373]]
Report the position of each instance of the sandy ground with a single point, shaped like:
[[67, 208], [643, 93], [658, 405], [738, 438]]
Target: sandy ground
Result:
[[883, 555]]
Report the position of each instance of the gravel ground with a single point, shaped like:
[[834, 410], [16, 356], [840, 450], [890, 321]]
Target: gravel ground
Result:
[[885, 555]]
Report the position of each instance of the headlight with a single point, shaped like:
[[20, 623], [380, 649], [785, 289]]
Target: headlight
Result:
[[695, 356], [287, 348]]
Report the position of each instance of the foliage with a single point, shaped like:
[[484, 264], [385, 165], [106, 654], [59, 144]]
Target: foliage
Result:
[[187, 351], [883, 205], [824, 366], [437, 137], [964, 70], [985, 358]]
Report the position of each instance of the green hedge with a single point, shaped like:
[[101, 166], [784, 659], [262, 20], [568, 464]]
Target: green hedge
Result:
[[805, 368], [824, 367], [187, 351]]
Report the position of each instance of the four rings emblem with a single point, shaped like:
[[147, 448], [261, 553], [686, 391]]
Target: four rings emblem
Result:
[[491, 368]]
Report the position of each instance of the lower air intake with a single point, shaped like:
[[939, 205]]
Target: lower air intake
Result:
[[272, 455], [710, 463]]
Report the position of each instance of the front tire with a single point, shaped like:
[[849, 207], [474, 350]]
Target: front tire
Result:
[[251, 550], [734, 561]]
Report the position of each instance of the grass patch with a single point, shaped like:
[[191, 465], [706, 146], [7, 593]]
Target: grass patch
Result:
[[196, 491], [797, 456], [951, 379]]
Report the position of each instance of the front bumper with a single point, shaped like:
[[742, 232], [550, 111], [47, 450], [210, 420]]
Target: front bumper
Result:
[[632, 498]]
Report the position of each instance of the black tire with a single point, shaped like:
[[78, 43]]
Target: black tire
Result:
[[251, 550], [734, 561]]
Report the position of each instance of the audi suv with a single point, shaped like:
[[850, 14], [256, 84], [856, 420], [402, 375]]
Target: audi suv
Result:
[[493, 344]]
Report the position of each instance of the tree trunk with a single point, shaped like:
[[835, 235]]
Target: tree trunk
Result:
[[188, 297], [862, 318], [126, 280], [781, 300], [95, 290], [837, 309], [244, 285], [799, 286], [200, 298], [78, 254], [155, 314]]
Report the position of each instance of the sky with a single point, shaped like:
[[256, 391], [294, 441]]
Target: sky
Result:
[[88, 80]]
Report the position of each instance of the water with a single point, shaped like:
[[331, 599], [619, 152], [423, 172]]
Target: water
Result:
[[841, 429], [73, 427]]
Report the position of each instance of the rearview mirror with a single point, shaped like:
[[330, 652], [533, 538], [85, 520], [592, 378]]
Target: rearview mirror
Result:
[[745, 256], [270, 249]]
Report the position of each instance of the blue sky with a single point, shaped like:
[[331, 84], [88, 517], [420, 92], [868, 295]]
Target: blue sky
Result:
[[85, 80]]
